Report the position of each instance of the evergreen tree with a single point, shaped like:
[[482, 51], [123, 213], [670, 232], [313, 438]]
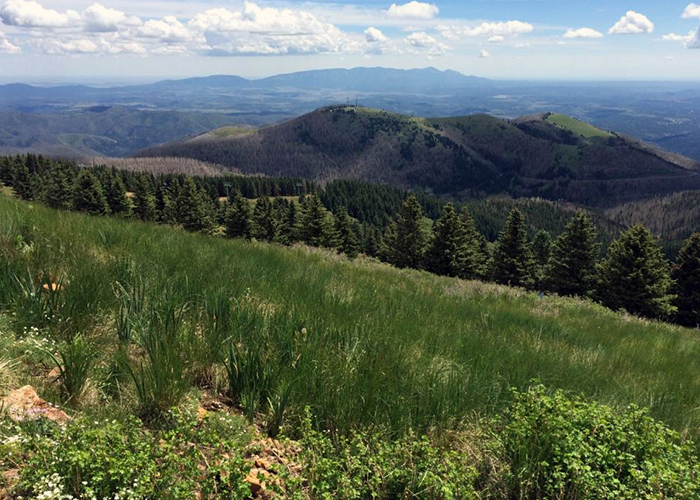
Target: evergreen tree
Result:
[[144, 199], [58, 186], [371, 242], [291, 224], [22, 183], [574, 258], [448, 249], [347, 237], [512, 262], [635, 276], [237, 216], [476, 264], [263, 224], [542, 252], [686, 272], [406, 240], [88, 195], [118, 201], [195, 212], [317, 225], [167, 194]]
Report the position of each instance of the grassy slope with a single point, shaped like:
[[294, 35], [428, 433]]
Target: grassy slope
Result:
[[576, 126], [383, 346]]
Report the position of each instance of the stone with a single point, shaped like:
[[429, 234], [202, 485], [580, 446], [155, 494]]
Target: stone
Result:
[[24, 403]]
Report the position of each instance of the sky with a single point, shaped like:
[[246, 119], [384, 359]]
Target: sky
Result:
[[145, 40]]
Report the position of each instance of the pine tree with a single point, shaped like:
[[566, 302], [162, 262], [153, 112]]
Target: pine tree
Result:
[[574, 258], [88, 195], [447, 252], [476, 263], [542, 253], [348, 243], [513, 263], [291, 223], [195, 212], [263, 224], [166, 197], [371, 242], [635, 276], [686, 272], [118, 201], [317, 225], [406, 239], [22, 182], [58, 186], [237, 216], [144, 199]]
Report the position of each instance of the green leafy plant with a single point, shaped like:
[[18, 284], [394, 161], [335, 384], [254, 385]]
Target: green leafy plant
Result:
[[75, 361], [568, 448]]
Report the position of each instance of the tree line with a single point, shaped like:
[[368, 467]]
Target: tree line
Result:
[[633, 275]]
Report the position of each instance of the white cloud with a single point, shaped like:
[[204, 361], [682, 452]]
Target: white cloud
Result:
[[373, 35], [496, 39], [103, 19], [168, 29], [484, 54], [504, 29], [256, 30], [413, 10], [691, 11], [693, 40], [672, 37], [583, 33], [7, 47], [422, 40], [632, 23], [521, 45], [30, 14]]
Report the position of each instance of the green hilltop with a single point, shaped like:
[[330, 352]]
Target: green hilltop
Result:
[[547, 155]]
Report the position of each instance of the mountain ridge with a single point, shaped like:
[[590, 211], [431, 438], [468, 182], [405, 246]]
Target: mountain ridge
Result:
[[462, 157]]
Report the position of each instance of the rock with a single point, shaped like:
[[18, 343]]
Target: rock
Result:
[[201, 413], [257, 486], [54, 374], [24, 403]]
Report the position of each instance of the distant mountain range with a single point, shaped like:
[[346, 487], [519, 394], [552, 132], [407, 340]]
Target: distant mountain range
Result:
[[100, 130], [358, 79], [548, 155]]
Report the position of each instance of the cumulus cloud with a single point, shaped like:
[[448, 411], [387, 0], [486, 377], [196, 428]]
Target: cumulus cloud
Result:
[[168, 29], [413, 10], [422, 40], [504, 29], [484, 54], [256, 30], [583, 33], [632, 23], [249, 30], [103, 19], [7, 47], [672, 37], [373, 35], [691, 11], [693, 40], [496, 39], [30, 14]]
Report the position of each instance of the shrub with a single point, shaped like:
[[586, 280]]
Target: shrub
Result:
[[568, 448], [110, 460], [365, 465]]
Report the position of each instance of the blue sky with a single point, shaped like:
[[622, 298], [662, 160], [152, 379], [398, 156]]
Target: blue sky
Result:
[[506, 39]]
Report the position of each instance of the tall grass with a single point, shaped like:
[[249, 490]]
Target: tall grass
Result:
[[359, 343]]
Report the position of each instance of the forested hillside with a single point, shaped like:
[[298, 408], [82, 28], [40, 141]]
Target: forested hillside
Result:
[[547, 155]]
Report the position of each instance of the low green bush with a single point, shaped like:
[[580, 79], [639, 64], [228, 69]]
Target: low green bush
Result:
[[123, 460], [366, 465], [568, 448]]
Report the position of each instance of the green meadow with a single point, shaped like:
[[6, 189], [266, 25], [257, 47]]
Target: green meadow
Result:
[[357, 342]]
